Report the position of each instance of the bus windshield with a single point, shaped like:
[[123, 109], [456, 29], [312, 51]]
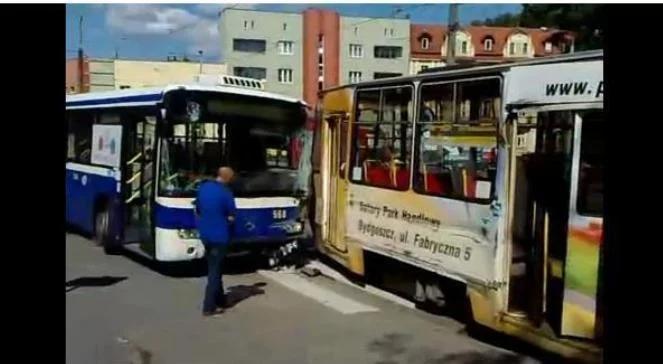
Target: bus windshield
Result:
[[260, 139]]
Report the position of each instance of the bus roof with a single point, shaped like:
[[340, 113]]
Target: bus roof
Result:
[[455, 71], [152, 96]]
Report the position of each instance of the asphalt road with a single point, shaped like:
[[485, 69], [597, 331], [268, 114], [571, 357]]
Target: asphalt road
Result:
[[122, 309]]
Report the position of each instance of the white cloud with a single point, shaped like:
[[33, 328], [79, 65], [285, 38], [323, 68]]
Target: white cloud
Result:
[[198, 30], [214, 9], [210, 9]]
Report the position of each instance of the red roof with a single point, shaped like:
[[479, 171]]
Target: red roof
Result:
[[436, 34], [500, 35]]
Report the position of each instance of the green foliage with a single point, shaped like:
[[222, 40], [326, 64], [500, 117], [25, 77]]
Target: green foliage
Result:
[[585, 20]]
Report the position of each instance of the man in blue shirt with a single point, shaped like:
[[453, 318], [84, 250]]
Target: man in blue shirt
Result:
[[215, 210]]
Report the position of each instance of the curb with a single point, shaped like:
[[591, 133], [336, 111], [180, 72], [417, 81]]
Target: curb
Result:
[[331, 273]]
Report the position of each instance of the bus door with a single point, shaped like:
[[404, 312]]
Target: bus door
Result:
[[581, 311], [338, 136], [545, 148], [139, 177]]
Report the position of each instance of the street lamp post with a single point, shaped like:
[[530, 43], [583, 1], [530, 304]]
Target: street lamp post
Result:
[[200, 53]]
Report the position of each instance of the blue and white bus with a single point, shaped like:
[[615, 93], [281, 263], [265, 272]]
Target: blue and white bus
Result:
[[136, 157]]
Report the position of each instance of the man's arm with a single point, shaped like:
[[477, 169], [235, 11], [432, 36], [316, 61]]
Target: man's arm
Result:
[[231, 208], [196, 210]]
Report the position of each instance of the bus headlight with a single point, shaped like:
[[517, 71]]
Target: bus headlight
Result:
[[188, 234], [294, 227]]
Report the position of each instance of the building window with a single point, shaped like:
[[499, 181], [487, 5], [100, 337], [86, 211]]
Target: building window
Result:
[[425, 43], [355, 30], [246, 25], [488, 44], [285, 47], [518, 48], [285, 26], [385, 32], [257, 73], [424, 67], [548, 47], [387, 52], [124, 87], [356, 51], [562, 47], [383, 143], [249, 45], [285, 75], [463, 47], [355, 77], [320, 85], [251, 24], [378, 75], [391, 32]]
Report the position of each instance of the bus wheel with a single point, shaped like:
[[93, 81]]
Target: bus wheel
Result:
[[101, 224], [102, 231]]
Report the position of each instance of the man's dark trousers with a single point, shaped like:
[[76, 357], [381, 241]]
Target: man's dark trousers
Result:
[[214, 293]]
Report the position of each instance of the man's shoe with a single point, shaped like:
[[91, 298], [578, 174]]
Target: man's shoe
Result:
[[217, 311]]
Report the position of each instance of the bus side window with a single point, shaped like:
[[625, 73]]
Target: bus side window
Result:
[[80, 136]]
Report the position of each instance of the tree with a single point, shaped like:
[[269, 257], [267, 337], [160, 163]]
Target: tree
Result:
[[504, 20], [586, 20]]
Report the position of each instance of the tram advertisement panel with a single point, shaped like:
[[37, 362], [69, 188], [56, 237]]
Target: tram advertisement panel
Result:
[[449, 236]]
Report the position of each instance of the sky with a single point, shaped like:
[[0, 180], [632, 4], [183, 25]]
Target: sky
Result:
[[156, 31]]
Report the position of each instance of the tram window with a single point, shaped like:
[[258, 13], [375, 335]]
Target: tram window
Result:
[[343, 138], [437, 103], [382, 138], [457, 160], [368, 104], [592, 158], [456, 170], [478, 101]]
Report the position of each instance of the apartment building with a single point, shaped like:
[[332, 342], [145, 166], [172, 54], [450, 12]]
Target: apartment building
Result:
[[299, 54], [265, 46], [373, 48]]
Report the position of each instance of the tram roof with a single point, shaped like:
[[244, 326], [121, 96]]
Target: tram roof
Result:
[[152, 96], [473, 69]]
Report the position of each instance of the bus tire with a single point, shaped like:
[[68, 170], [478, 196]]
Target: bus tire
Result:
[[102, 230]]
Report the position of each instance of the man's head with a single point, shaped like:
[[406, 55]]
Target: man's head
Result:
[[225, 174]]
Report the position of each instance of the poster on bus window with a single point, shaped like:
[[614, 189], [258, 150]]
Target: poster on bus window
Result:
[[106, 142]]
